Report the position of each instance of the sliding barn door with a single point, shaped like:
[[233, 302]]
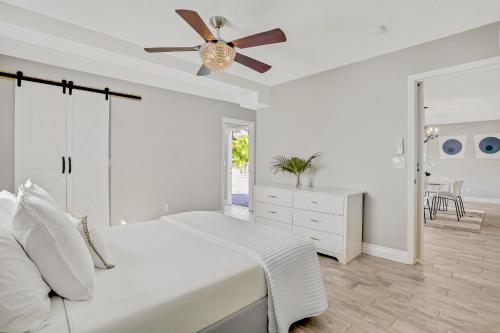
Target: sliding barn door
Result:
[[88, 149], [40, 137]]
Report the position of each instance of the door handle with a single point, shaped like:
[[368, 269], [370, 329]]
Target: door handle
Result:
[[63, 164], [69, 166]]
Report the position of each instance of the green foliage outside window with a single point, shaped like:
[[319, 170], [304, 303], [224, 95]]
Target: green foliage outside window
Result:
[[240, 152]]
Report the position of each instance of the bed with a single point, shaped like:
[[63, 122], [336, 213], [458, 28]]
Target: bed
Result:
[[197, 272]]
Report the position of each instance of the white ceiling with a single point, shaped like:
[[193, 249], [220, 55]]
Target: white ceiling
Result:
[[463, 97], [28, 35], [321, 34]]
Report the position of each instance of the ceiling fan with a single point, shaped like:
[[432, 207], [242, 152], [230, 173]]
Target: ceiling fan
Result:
[[217, 54]]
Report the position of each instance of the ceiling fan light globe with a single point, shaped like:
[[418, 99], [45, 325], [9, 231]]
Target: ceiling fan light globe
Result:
[[217, 56]]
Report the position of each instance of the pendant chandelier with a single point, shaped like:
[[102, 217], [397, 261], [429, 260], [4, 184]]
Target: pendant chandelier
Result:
[[431, 133]]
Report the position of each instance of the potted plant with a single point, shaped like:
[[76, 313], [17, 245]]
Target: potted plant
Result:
[[293, 165]]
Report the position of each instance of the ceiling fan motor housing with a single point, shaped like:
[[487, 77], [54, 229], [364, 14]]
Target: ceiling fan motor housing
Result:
[[218, 21]]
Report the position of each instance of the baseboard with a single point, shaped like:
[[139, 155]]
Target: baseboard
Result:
[[484, 200], [386, 253]]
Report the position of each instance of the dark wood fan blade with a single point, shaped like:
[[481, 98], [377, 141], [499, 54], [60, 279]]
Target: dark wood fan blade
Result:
[[203, 71], [252, 63], [263, 38], [194, 20], [170, 49]]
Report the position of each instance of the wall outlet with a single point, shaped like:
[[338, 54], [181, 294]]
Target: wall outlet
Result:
[[165, 208], [398, 162], [468, 190]]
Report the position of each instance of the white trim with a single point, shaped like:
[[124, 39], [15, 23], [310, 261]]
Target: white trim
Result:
[[238, 121], [482, 199], [386, 253], [227, 157], [488, 62], [251, 157], [411, 232], [413, 145]]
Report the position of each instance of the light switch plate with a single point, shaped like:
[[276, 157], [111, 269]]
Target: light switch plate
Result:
[[398, 162], [400, 146]]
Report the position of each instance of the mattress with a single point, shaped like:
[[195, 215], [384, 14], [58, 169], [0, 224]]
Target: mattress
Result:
[[165, 280]]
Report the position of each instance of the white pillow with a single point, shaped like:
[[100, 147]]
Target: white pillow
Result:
[[24, 300], [55, 246], [93, 239], [8, 204], [37, 191]]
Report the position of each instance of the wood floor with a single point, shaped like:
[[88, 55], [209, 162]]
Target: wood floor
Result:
[[455, 289]]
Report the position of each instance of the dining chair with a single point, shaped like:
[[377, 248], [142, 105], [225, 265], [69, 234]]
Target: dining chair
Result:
[[429, 199], [434, 189], [460, 191], [453, 195]]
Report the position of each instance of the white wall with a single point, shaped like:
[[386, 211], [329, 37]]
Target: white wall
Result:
[[164, 150], [353, 115], [481, 176]]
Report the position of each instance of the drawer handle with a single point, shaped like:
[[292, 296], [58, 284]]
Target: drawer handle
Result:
[[316, 239], [315, 221], [314, 202], [272, 196], [271, 211]]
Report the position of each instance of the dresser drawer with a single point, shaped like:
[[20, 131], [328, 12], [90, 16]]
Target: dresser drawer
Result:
[[273, 212], [320, 221], [333, 204], [273, 196], [273, 223], [331, 243]]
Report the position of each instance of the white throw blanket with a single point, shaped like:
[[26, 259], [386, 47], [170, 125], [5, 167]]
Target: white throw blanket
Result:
[[294, 282]]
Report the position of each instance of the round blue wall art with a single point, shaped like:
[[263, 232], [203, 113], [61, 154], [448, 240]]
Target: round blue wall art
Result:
[[452, 146], [489, 145]]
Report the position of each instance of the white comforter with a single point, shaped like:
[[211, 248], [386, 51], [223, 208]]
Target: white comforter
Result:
[[295, 286], [166, 280], [187, 271]]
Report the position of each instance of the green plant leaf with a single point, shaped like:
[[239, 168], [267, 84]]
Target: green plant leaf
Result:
[[293, 165], [240, 151]]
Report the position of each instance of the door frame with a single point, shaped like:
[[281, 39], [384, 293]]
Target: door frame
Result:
[[414, 220], [251, 157], [227, 155]]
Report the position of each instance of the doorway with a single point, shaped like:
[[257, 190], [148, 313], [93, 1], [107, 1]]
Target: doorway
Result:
[[237, 166], [422, 165]]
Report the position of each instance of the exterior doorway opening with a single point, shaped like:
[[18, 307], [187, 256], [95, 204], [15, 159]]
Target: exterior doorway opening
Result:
[[238, 166]]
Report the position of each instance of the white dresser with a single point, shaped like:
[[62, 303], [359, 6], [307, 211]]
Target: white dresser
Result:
[[331, 217]]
